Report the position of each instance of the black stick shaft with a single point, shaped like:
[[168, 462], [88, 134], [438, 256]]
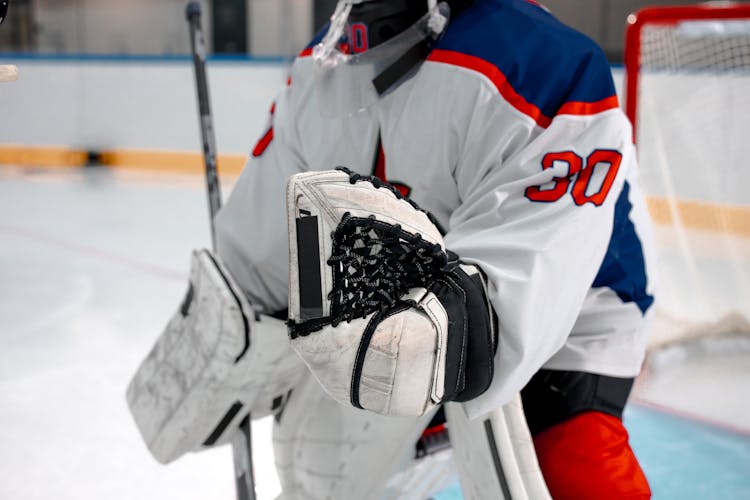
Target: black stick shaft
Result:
[[3, 10], [243, 465], [241, 439], [198, 46]]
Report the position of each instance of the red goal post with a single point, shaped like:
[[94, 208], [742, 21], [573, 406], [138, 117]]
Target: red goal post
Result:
[[688, 96], [666, 16]]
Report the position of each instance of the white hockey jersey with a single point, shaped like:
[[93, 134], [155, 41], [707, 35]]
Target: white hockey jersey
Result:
[[510, 133]]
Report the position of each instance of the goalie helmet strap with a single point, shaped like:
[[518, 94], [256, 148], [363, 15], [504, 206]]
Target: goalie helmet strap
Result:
[[377, 21], [403, 65]]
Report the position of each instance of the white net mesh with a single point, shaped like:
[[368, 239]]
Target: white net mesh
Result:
[[693, 130], [716, 45]]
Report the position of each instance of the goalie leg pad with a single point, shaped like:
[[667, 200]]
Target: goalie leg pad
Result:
[[215, 362], [383, 315], [495, 454], [324, 450]]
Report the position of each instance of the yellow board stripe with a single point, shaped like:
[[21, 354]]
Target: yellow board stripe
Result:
[[42, 156], [143, 160], [692, 214], [700, 215], [171, 161]]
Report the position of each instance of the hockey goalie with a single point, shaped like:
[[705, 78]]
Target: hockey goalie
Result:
[[481, 260]]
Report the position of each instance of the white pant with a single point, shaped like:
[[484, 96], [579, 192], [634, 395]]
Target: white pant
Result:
[[325, 450]]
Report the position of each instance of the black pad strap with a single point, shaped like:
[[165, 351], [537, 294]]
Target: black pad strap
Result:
[[469, 363], [553, 396], [364, 345]]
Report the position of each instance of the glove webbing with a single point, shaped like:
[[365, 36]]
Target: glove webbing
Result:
[[373, 264]]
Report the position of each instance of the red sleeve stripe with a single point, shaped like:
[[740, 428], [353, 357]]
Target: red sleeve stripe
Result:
[[343, 47], [507, 91], [263, 143], [497, 78], [589, 108]]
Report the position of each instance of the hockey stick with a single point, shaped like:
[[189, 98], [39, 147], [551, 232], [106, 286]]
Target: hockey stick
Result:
[[8, 73], [241, 439], [3, 10], [198, 47]]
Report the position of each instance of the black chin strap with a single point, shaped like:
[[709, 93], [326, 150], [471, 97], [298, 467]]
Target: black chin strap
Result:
[[414, 56], [403, 65]]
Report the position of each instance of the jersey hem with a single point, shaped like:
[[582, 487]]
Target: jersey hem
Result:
[[610, 369]]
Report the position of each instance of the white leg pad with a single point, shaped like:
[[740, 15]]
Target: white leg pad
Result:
[[495, 454], [325, 450], [202, 376]]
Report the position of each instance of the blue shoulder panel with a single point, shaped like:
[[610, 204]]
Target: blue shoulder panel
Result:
[[546, 62], [624, 269], [318, 37]]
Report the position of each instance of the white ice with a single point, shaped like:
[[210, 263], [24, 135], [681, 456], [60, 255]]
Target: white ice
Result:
[[92, 264]]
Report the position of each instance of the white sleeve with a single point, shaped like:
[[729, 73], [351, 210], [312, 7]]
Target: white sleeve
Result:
[[251, 229], [525, 220]]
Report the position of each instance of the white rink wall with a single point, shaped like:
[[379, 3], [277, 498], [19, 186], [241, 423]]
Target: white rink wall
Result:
[[142, 104], [135, 104]]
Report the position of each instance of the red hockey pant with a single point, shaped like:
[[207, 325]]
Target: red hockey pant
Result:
[[588, 457]]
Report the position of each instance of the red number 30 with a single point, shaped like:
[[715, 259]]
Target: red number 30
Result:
[[599, 159]]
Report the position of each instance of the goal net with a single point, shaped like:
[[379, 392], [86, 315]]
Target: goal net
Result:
[[688, 95]]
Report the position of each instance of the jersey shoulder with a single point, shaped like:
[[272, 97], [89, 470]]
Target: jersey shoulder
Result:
[[529, 54]]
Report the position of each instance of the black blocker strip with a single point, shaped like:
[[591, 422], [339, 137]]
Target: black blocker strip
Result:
[[308, 261]]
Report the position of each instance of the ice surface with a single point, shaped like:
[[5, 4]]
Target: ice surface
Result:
[[93, 263]]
